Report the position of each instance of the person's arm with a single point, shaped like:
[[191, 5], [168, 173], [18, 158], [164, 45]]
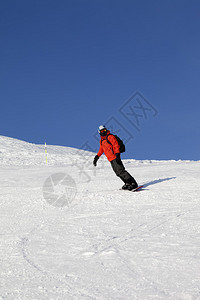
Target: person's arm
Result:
[[100, 151], [98, 155]]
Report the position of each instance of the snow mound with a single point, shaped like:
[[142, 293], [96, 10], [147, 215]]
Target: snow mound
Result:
[[14, 152]]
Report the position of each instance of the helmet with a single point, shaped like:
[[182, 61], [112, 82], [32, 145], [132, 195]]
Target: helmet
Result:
[[102, 130], [101, 127]]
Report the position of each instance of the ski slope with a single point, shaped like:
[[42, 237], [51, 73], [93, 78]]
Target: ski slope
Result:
[[94, 241]]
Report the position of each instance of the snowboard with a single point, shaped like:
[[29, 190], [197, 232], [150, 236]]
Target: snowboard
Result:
[[137, 189], [134, 190]]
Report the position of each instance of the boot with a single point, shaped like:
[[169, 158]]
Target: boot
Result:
[[132, 184], [126, 186]]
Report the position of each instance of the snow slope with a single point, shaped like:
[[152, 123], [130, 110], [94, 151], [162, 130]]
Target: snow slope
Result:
[[97, 242]]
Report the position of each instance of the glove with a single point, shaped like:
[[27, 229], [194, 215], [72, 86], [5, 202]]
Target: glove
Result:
[[95, 160], [118, 159]]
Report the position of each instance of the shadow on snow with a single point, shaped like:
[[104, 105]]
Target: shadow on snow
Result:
[[157, 181]]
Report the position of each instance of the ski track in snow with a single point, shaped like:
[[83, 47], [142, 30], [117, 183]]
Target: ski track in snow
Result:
[[107, 244]]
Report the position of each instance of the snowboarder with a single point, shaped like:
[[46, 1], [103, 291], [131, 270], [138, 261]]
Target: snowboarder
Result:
[[110, 147]]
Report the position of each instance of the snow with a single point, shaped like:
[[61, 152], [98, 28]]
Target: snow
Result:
[[94, 241]]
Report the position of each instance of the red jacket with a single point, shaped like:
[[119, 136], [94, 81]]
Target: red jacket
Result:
[[109, 150]]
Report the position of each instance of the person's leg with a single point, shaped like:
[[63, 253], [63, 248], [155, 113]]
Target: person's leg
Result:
[[120, 171]]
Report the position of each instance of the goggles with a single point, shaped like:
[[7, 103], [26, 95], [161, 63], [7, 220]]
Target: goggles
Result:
[[103, 130]]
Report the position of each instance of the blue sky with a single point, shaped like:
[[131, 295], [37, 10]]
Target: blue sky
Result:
[[69, 66]]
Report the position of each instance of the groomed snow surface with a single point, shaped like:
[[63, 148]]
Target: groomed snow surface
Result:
[[68, 232]]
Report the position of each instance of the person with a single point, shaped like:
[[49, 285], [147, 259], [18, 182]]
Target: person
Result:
[[110, 147]]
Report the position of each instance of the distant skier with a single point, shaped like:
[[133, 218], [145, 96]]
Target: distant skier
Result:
[[111, 148]]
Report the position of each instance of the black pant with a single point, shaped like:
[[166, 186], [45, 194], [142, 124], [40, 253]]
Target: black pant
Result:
[[120, 171]]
